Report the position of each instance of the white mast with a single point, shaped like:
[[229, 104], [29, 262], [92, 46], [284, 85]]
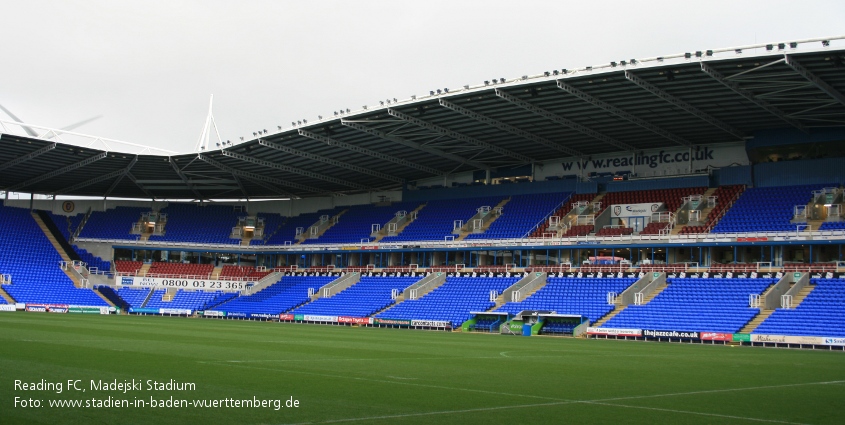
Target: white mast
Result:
[[202, 143]]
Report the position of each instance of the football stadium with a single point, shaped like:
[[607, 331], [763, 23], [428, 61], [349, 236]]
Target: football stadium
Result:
[[644, 240]]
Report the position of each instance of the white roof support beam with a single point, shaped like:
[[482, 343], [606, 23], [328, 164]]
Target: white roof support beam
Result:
[[114, 174], [60, 171], [622, 114], [259, 177], [509, 128], [818, 82], [411, 144], [294, 170], [551, 116], [692, 110], [334, 162], [334, 142], [716, 75], [458, 136], [27, 157]]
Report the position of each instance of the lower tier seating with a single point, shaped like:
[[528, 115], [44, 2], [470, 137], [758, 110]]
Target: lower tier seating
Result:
[[565, 295], [451, 301], [362, 299], [713, 305], [820, 314], [290, 292]]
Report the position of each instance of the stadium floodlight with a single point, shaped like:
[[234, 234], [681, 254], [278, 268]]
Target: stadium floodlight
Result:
[[547, 73], [381, 102], [589, 68], [304, 121], [555, 72], [242, 139], [265, 131], [738, 51], [466, 86], [254, 134], [293, 124], [431, 92], [781, 46], [698, 53], [660, 58], [687, 55], [633, 61], [347, 110], [613, 64], [394, 100], [413, 97], [502, 80], [623, 63], [364, 107], [280, 127], [218, 144], [335, 113], [769, 47], [793, 45], [439, 91], [486, 82], [709, 53], [445, 90], [319, 117], [825, 43], [564, 69]]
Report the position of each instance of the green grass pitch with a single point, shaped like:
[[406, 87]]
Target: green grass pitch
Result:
[[385, 376]]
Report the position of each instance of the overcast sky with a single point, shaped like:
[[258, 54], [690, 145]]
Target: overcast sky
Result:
[[149, 66]]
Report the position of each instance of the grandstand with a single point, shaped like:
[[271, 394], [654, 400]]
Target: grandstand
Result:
[[719, 195]]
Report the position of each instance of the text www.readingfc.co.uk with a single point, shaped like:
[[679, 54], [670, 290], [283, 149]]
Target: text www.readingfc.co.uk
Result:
[[131, 386]]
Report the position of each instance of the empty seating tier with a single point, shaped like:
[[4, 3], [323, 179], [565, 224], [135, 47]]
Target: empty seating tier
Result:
[[453, 301], [368, 296], [290, 292], [820, 314], [436, 220], [112, 224], [522, 214], [565, 295], [766, 209], [714, 305]]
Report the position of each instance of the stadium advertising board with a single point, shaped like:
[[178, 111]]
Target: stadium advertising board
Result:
[[213, 313], [89, 310], [178, 283], [392, 322], [741, 338], [656, 161], [316, 318], [266, 316], [833, 341], [47, 308], [635, 210], [653, 333], [783, 339], [7, 307], [287, 317], [431, 323], [355, 320], [614, 332], [175, 311], [716, 336], [140, 310]]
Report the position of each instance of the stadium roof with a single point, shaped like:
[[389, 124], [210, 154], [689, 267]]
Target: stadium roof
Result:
[[681, 100]]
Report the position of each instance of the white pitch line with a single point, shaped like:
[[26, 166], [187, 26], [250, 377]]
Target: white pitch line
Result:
[[685, 412], [764, 387]]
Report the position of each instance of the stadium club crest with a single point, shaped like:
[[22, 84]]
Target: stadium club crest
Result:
[[654, 207], [617, 210]]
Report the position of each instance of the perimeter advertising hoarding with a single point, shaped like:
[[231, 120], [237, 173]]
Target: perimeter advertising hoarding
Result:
[[214, 313], [287, 317], [431, 323], [654, 333], [833, 341], [716, 336], [614, 331], [7, 307], [355, 320], [784, 339], [392, 322], [46, 308]]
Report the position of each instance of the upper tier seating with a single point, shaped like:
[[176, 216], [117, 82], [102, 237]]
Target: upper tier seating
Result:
[[356, 223], [28, 256], [131, 267], [180, 269], [698, 305], [725, 196], [92, 260], [833, 225], [521, 215], [272, 224], [578, 230], [655, 228], [453, 301], [362, 299], [435, 221], [565, 295], [287, 232], [820, 314], [290, 292], [672, 198], [112, 224], [615, 231], [66, 224], [766, 209], [564, 209], [196, 223], [232, 272]]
